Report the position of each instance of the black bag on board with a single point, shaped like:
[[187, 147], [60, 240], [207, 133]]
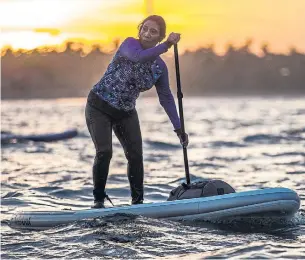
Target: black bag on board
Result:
[[200, 189]]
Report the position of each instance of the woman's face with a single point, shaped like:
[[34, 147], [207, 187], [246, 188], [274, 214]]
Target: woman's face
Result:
[[149, 34]]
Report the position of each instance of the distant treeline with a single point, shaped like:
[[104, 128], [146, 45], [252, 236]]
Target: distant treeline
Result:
[[70, 73]]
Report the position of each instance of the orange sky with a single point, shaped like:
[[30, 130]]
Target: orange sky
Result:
[[31, 23]]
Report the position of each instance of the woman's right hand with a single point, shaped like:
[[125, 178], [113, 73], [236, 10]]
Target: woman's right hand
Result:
[[183, 137], [173, 38]]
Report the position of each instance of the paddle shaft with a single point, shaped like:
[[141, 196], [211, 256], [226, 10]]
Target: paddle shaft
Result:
[[180, 96]]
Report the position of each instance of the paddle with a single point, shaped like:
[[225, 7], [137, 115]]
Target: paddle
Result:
[[180, 96]]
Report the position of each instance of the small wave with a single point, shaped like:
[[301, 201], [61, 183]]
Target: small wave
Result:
[[262, 138], [14, 185], [207, 165], [225, 159], [162, 145], [117, 178], [284, 154], [156, 157], [12, 194], [47, 172], [218, 144], [118, 228], [270, 139], [294, 163], [296, 172], [296, 131], [5, 222], [12, 201], [280, 226], [299, 217], [282, 180], [46, 189]]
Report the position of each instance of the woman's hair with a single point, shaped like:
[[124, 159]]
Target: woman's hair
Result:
[[159, 20]]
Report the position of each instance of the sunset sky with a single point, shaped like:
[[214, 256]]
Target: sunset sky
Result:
[[31, 23]]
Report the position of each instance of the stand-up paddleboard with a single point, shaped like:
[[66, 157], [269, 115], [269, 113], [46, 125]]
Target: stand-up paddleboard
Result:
[[277, 202]]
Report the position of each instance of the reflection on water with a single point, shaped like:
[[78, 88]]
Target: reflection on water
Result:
[[249, 143]]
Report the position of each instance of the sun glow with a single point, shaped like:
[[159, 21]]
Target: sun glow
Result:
[[28, 24], [36, 13]]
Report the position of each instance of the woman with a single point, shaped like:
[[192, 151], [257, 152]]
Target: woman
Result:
[[135, 68]]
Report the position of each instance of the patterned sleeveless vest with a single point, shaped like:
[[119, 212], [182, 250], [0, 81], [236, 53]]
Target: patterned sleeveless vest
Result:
[[124, 79]]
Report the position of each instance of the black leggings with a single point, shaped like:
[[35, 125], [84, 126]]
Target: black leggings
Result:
[[101, 119]]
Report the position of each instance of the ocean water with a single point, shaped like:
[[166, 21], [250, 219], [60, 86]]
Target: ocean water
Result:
[[250, 143]]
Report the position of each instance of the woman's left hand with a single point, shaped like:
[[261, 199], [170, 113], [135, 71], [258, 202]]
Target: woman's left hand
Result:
[[183, 137]]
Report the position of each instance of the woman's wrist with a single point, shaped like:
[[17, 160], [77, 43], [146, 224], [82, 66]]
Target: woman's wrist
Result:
[[169, 44], [178, 131]]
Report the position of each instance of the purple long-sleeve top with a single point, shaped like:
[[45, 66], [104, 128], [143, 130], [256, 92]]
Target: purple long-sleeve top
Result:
[[134, 70]]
